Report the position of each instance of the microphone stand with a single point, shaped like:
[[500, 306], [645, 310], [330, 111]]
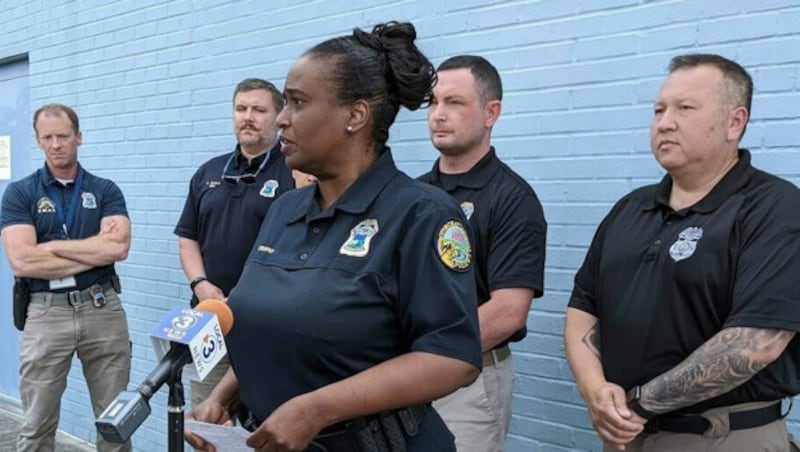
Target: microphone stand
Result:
[[176, 401]]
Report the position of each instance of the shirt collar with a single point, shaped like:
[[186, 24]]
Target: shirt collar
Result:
[[356, 199], [477, 176], [240, 162], [47, 176], [736, 178]]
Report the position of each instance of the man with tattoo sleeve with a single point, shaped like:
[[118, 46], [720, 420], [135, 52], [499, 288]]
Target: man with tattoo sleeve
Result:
[[681, 327]]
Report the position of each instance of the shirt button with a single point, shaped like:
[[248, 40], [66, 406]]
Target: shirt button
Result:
[[304, 256], [657, 242], [315, 230]]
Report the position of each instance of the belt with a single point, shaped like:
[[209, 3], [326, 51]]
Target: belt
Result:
[[392, 427], [72, 298], [694, 423], [496, 355]]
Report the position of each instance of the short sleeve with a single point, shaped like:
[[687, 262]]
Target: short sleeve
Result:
[[187, 226], [113, 200], [437, 299], [584, 292], [16, 207], [517, 238], [765, 291]]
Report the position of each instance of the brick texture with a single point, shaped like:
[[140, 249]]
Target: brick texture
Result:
[[152, 83]]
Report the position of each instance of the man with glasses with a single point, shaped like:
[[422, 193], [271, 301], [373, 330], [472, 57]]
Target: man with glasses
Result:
[[228, 199]]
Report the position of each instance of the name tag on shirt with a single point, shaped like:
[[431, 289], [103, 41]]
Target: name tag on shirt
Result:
[[63, 283]]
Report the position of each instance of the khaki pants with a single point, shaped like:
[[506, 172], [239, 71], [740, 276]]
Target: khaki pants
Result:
[[202, 389], [52, 335], [480, 414], [772, 437]]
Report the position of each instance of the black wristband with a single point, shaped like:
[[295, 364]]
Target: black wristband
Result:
[[197, 281], [634, 398]]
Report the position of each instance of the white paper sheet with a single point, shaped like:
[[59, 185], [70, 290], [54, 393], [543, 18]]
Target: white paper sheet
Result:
[[225, 439]]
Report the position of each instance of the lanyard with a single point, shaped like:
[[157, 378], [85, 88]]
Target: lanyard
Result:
[[68, 217]]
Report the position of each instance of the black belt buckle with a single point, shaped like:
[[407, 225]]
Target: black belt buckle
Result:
[[98, 295]]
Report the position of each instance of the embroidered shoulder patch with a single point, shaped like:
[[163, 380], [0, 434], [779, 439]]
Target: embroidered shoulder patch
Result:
[[453, 247]]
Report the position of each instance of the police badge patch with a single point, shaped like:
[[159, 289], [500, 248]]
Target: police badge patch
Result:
[[357, 245], [89, 201], [269, 189], [452, 245], [45, 205], [468, 208], [684, 247]]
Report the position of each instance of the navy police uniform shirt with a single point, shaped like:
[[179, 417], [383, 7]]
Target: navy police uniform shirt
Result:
[[224, 215], [508, 225], [327, 294], [28, 201], [663, 282]]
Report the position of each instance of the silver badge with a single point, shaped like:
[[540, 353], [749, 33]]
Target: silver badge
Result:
[[89, 201], [357, 245], [468, 208], [684, 247], [269, 189]]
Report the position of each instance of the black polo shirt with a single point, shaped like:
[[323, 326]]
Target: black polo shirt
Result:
[[663, 282], [224, 216], [507, 220], [28, 201], [327, 294]]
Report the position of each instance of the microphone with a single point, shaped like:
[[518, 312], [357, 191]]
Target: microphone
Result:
[[184, 336]]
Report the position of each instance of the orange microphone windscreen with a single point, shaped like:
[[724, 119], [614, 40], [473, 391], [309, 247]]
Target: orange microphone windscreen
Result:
[[221, 309]]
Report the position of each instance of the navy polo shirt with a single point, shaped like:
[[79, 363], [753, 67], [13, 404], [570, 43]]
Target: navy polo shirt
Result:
[[663, 282], [509, 229], [327, 294], [224, 217], [27, 201]]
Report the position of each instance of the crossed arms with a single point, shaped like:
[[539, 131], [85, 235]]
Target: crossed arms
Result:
[[63, 258]]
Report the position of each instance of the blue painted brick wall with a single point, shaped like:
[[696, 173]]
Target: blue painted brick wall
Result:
[[152, 82]]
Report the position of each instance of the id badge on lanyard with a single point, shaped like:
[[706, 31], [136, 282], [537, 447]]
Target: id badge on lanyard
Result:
[[67, 219]]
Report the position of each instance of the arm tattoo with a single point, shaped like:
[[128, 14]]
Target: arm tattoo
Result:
[[728, 359], [592, 339]]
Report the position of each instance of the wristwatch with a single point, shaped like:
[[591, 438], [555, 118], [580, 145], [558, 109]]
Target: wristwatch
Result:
[[633, 398], [197, 281]]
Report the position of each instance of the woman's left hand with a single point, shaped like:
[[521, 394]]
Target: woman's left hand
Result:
[[291, 427]]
